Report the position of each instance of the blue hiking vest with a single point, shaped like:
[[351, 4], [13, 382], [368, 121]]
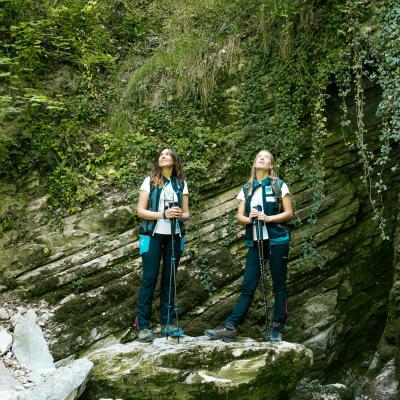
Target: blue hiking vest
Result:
[[147, 226], [278, 233]]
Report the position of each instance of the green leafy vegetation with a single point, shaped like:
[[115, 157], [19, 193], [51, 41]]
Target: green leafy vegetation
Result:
[[58, 62], [91, 89]]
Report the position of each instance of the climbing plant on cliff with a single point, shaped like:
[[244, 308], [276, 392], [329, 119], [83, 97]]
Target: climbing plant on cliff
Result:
[[373, 55]]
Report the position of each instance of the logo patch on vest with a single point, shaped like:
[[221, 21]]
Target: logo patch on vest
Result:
[[268, 189]]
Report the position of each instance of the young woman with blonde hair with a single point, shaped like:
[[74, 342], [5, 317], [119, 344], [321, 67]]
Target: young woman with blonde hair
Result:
[[163, 206], [264, 207]]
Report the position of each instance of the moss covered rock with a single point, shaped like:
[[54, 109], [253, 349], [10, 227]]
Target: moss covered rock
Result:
[[197, 368]]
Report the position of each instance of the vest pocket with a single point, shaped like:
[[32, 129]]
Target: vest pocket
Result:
[[144, 244], [270, 207], [278, 234]]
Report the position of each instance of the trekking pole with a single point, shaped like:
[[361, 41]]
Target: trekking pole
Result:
[[172, 277], [260, 246], [172, 268]]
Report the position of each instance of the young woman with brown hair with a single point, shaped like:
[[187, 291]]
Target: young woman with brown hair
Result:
[[163, 206]]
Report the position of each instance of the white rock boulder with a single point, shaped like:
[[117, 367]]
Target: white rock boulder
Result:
[[64, 383], [30, 347]]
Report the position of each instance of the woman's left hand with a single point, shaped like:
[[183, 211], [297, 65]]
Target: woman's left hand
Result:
[[177, 212], [264, 217]]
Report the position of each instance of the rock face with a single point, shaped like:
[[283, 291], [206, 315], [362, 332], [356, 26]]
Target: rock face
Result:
[[197, 368], [389, 344]]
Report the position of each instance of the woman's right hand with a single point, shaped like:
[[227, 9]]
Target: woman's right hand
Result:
[[253, 214]]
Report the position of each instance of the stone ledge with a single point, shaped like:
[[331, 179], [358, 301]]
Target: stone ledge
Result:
[[197, 367]]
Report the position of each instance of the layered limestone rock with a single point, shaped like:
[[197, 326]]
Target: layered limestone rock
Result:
[[385, 365], [197, 368]]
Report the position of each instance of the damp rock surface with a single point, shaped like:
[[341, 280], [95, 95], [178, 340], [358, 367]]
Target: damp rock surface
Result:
[[196, 368]]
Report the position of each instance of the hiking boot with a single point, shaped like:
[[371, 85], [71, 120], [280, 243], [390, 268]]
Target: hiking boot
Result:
[[146, 336], [275, 334], [224, 332], [171, 330]]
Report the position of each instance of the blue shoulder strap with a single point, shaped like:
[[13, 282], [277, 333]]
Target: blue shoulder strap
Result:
[[158, 194], [177, 184], [245, 187]]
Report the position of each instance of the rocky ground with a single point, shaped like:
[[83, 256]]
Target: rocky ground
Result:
[[10, 313], [27, 369], [195, 366]]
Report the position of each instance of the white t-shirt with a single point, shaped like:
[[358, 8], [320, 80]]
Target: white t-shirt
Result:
[[163, 226], [256, 200]]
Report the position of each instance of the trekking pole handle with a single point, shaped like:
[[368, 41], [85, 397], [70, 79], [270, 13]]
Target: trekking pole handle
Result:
[[173, 220], [173, 204], [258, 208]]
